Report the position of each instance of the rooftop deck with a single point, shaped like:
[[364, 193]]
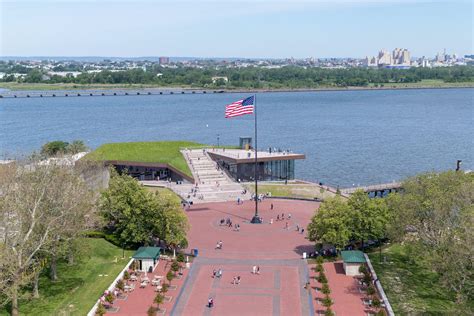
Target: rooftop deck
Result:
[[248, 156]]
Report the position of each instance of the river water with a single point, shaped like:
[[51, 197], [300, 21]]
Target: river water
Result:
[[349, 137]]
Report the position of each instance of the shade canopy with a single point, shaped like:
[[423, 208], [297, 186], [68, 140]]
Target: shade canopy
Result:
[[353, 256], [147, 253]]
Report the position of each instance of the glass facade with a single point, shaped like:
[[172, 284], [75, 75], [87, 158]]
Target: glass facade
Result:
[[267, 171]]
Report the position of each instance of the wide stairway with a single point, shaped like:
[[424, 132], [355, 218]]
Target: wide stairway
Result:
[[213, 185]]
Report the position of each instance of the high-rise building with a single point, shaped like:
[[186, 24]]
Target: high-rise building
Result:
[[384, 58], [164, 60]]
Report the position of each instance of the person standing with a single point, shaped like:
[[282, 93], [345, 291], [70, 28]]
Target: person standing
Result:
[[271, 206]]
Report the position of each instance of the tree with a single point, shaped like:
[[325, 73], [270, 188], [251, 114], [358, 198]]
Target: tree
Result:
[[54, 148], [331, 223], [169, 277], [325, 289], [35, 199], [101, 310], [435, 216], [159, 299], [175, 267], [176, 223], [76, 146], [327, 302], [133, 213]]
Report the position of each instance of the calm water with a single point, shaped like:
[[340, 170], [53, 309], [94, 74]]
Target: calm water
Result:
[[349, 137]]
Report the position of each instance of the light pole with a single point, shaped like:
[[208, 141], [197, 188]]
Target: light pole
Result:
[[217, 140]]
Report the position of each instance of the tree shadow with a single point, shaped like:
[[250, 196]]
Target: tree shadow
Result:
[[304, 248]]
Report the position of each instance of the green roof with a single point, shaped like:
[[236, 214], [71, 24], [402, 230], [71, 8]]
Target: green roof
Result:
[[353, 256], [167, 152], [147, 253]]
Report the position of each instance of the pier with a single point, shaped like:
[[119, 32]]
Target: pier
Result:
[[377, 190]]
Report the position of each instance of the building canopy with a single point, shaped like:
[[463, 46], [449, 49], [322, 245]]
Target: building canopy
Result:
[[147, 253], [353, 256]]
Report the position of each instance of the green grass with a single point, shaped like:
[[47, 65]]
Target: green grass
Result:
[[165, 192], [79, 286], [295, 190], [412, 288], [159, 152]]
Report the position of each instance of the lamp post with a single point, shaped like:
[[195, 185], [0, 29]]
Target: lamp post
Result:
[[123, 251], [218, 140]]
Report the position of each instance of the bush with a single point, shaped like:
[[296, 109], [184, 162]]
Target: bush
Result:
[[169, 276], [322, 278], [164, 288], [175, 266], [126, 275], [100, 310], [376, 303], [319, 260], [327, 302], [319, 268], [367, 278], [325, 289], [151, 311], [121, 284], [363, 269], [159, 299], [110, 298], [329, 312], [180, 257], [370, 290]]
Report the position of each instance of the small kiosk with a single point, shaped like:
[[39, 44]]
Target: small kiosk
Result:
[[147, 257], [353, 259]]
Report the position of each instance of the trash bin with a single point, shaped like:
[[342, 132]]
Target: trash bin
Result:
[[195, 252], [304, 255]]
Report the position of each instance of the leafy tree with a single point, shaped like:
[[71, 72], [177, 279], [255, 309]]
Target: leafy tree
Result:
[[159, 299], [54, 148], [169, 276], [435, 216], [76, 146], [101, 310], [175, 266], [332, 223], [327, 301], [325, 289]]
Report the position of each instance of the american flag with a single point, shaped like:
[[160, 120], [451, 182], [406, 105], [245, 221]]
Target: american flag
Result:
[[240, 107]]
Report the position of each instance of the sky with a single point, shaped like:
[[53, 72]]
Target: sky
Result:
[[234, 28]]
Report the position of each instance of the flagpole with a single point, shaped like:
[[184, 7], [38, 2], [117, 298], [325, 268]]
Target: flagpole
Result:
[[256, 218]]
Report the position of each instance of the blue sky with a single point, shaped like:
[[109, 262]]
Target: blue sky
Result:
[[234, 28]]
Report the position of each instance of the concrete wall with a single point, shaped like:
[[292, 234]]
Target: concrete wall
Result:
[[351, 268]]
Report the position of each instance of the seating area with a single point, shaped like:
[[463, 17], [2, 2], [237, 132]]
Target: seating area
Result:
[[140, 288]]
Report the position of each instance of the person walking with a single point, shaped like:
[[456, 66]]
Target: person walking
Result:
[[238, 279], [258, 270], [210, 302], [271, 206]]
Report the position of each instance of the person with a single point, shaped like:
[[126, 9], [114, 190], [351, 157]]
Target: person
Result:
[[210, 302], [282, 216], [286, 225], [219, 273], [238, 201], [271, 206], [302, 230], [234, 280], [298, 228], [278, 217], [214, 273], [238, 279], [271, 220], [289, 216], [238, 227], [254, 269], [258, 270]]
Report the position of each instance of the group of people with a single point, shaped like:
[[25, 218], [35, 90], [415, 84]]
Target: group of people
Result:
[[256, 270], [217, 273], [219, 245]]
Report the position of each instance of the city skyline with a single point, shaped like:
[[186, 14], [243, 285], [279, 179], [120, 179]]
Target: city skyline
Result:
[[234, 29]]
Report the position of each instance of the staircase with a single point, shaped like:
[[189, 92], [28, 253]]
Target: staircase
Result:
[[213, 185]]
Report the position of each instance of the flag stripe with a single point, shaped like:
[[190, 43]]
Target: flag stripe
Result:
[[241, 107]]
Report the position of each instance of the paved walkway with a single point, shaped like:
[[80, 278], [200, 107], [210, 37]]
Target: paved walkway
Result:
[[277, 290]]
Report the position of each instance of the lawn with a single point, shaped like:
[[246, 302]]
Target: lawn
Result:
[[158, 152], [295, 190], [79, 286], [165, 192], [411, 287]]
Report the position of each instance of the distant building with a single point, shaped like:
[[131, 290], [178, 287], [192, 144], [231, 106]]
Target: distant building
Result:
[[164, 60], [399, 58], [384, 58], [217, 78]]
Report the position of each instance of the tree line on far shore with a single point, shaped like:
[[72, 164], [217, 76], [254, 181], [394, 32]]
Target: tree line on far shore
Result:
[[289, 77], [433, 217]]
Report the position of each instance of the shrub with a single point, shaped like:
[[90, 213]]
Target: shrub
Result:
[[159, 299], [126, 275], [329, 312], [100, 310], [319, 260], [370, 290], [319, 268], [151, 311], [327, 301], [376, 303], [94, 234], [175, 266], [363, 269], [180, 257], [110, 298], [164, 288], [325, 289], [169, 276], [121, 284], [322, 277], [367, 279]]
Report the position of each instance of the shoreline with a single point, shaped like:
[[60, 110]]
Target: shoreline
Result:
[[139, 90]]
